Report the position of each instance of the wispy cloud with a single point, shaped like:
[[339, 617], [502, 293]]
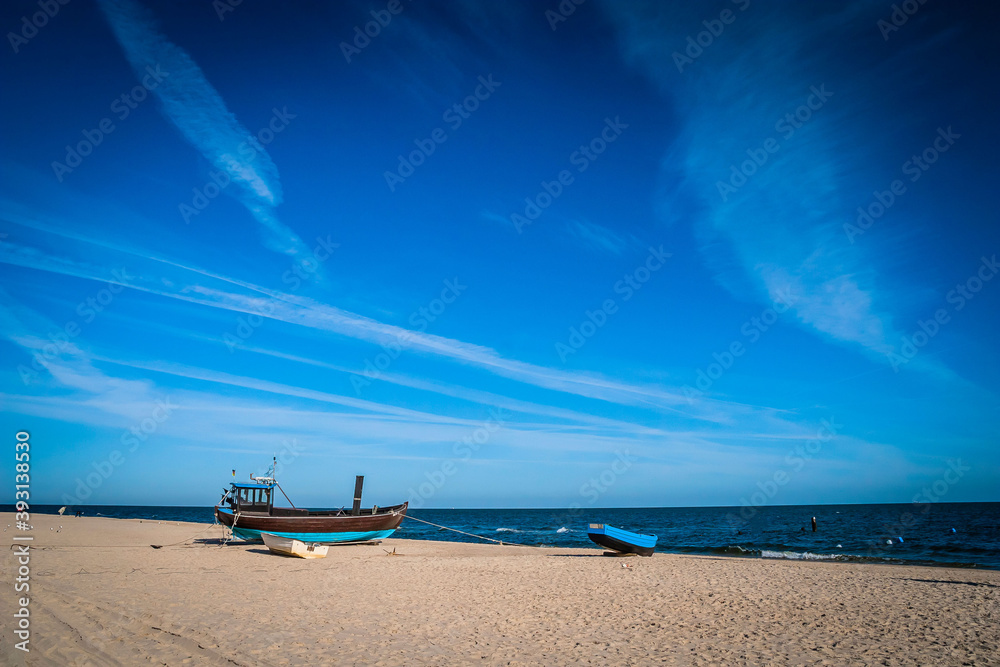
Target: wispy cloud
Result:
[[68, 365], [100, 397], [602, 239], [496, 217], [205, 288], [780, 225], [248, 412], [468, 394], [196, 108]]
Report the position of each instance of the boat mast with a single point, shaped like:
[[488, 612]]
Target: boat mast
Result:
[[274, 465]]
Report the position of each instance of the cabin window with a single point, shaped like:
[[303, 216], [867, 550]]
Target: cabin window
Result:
[[254, 499]]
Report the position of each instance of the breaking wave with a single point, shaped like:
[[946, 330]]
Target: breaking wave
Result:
[[801, 555]]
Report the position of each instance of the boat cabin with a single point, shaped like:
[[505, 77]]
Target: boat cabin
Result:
[[255, 498]]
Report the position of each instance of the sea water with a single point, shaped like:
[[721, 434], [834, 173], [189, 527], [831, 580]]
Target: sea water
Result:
[[952, 534]]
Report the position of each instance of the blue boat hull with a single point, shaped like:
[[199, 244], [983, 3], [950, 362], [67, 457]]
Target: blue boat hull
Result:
[[620, 540], [366, 536]]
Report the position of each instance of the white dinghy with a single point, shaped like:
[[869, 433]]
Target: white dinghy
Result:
[[287, 546]]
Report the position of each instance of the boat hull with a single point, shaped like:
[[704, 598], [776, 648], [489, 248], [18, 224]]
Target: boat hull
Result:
[[309, 527], [621, 541]]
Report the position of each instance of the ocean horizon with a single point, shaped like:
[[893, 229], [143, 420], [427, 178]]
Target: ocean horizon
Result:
[[963, 534]]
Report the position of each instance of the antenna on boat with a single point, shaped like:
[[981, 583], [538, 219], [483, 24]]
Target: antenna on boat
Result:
[[274, 465], [270, 479]]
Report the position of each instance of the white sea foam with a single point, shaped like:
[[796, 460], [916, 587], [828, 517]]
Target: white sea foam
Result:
[[564, 529], [798, 555], [508, 530]]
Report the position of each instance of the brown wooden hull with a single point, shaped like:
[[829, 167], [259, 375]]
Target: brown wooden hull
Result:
[[315, 526]]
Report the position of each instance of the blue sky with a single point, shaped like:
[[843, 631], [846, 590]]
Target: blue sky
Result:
[[641, 254]]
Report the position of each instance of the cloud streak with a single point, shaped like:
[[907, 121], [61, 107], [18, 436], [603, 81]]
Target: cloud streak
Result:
[[601, 238], [781, 226], [100, 397], [197, 109], [189, 284]]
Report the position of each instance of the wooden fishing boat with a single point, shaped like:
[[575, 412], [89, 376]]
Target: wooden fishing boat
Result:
[[286, 546], [248, 511], [622, 541]]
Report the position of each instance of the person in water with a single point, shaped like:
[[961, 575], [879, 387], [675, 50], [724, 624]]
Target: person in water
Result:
[[814, 524]]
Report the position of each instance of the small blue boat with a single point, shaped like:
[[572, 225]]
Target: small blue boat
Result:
[[620, 540]]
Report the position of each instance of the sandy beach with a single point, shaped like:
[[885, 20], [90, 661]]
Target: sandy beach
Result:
[[100, 595]]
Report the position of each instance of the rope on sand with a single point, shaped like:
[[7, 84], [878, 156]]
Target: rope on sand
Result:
[[116, 546], [160, 546], [506, 544], [229, 532]]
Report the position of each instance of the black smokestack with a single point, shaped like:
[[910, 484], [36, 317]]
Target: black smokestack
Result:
[[358, 483]]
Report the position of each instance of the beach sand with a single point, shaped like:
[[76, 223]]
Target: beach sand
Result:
[[101, 596]]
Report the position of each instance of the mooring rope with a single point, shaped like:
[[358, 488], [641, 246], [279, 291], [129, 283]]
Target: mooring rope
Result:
[[506, 544], [226, 540], [44, 547], [230, 535], [157, 546]]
